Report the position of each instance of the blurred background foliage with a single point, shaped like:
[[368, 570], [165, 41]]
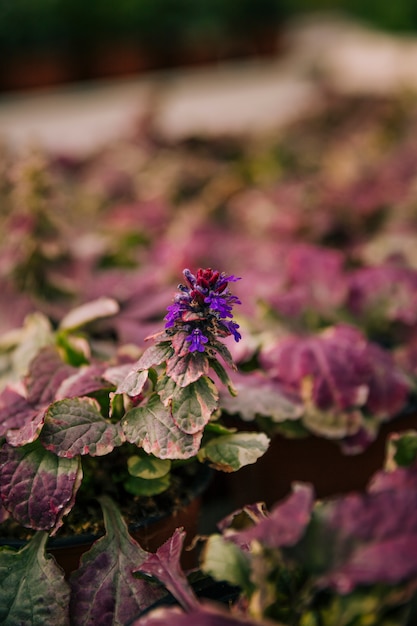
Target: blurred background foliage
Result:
[[135, 35]]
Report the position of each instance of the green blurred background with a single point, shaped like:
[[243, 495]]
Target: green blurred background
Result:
[[55, 41]]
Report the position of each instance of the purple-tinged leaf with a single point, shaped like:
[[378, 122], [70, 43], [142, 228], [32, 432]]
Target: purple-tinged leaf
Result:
[[116, 374], [75, 426], [368, 532], [400, 479], [86, 380], [192, 406], [37, 487], [186, 370], [104, 589], [155, 355], [165, 566], [335, 362], [30, 430], [15, 411], [151, 427], [386, 292], [204, 615], [313, 280], [390, 561], [46, 373], [286, 523], [180, 344], [133, 383], [259, 395], [389, 389], [33, 590], [339, 375]]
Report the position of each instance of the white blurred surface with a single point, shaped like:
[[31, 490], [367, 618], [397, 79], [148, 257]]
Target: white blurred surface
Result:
[[230, 98]]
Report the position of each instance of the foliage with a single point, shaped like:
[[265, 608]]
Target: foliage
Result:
[[311, 562], [73, 409]]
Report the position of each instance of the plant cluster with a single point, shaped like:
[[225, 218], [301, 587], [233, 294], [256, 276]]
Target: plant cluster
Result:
[[308, 562], [322, 329], [149, 416]]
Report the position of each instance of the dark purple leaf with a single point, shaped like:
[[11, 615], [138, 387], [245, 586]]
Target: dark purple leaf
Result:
[[204, 615], [15, 411], [389, 388], [75, 426], [286, 523], [46, 373], [151, 427], [29, 431], [165, 566], [365, 532], [86, 380], [104, 589], [37, 487], [33, 589]]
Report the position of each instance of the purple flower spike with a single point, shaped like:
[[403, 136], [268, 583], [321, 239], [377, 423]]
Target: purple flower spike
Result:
[[203, 308], [197, 340]]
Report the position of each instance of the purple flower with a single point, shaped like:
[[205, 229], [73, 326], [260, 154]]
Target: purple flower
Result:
[[232, 328], [197, 340], [203, 307]]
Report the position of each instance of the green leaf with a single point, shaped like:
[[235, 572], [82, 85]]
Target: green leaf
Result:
[[192, 406], [22, 345], [147, 466], [151, 427], [334, 423], [33, 591], [223, 376], [104, 589], [147, 486], [75, 426], [231, 452], [402, 449], [224, 560]]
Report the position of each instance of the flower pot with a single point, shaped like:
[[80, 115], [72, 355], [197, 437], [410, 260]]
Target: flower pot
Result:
[[313, 460], [205, 588], [150, 532]]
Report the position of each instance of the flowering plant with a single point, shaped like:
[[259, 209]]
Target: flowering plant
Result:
[[77, 427]]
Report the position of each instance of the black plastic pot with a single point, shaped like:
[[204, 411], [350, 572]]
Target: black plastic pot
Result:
[[205, 588], [150, 532]]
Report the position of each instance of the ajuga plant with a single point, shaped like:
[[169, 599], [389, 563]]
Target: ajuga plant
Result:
[[76, 427], [307, 562]]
